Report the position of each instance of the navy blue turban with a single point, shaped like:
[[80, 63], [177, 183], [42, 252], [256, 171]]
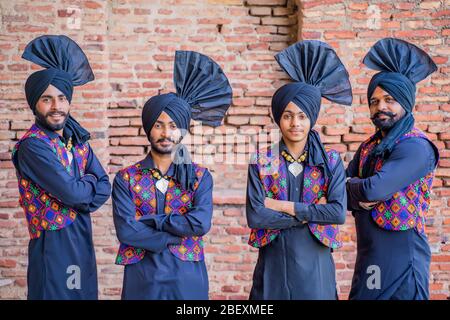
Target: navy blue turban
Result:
[[66, 66], [177, 109], [203, 93], [317, 72], [39, 81], [401, 65]]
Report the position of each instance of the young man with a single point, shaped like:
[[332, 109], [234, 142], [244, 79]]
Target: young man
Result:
[[296, 198], [163, 204], [391, 178], [60, 179]]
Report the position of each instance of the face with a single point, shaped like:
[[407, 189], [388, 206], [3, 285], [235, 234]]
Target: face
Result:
[[52, 108], [294, 124], [164, 135], [384, 110]]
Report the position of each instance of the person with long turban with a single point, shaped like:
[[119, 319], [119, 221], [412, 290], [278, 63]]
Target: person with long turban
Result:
[[390, 179], [162, 205], [296, 189], [61, 181]]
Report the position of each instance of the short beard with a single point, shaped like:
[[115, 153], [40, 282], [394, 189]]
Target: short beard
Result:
[[157, 149], [42, 120], [387, 124]]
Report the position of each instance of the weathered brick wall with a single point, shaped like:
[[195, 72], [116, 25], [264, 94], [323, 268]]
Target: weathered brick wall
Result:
[[131, 44]]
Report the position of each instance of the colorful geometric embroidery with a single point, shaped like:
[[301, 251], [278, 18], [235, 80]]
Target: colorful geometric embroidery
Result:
[[142, 186], [408, 207], [314, 187], [42, 210]]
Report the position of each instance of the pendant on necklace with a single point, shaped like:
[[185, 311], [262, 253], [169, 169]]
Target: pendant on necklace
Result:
[[295, 168], [69, 157], [162, 185]]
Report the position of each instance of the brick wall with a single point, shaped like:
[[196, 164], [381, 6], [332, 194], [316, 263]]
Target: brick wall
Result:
[[131, 44]]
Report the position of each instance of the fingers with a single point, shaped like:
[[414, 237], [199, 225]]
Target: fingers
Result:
[[367, 205]]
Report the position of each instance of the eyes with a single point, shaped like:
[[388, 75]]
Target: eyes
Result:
[[172, 126], [388, 100], [48, 100], [291, 116]]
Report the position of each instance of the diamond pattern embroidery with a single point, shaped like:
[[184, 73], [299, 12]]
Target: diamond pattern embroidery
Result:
[[407, 208], [43, 211]]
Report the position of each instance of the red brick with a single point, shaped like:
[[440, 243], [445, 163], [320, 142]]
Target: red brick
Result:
[[7, 263]]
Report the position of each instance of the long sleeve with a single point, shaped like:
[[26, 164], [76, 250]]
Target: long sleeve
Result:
[[334, 211], [197, 221], [129, 230], [352, 171], [103, 186], [38, 163], [258, 216], [410, 160]]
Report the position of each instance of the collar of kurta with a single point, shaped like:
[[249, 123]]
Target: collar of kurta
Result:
[[53, 135], [148, 163], [316, 161]]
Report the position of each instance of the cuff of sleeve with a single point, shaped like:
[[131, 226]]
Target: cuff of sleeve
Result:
[[355, 187], [91, 179], [301, 211], [151, 221]]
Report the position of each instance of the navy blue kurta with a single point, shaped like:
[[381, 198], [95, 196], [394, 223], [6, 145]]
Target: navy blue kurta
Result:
[[160, 275], [295, 266], [57, 255], [403, 257]]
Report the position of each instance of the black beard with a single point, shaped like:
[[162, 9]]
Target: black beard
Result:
[[156, 148], [385, 124], [42, 120]]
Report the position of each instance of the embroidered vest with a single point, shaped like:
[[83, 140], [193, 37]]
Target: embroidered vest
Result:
[[142, 188], [273, 175], [42, 210], [407, 208]]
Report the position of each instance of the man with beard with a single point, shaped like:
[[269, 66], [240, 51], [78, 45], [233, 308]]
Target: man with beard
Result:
[[162, 205], [60, 179], [296, 189], [390, 179]]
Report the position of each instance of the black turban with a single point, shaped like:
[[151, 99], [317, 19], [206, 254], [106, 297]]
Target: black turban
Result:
[[317, 72], [203, 93], [401, 65]]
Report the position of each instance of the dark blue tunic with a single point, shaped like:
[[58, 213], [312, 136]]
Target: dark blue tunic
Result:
[[402, 257], [295, 266], [57, 257], [160, 275]]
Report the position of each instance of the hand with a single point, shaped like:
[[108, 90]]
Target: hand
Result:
[[286, 207], [368, 205], [322, 200], [270, 203]]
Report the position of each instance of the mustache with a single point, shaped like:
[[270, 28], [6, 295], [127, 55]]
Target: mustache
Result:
[[166, 140], [52, 113], [386, 113]]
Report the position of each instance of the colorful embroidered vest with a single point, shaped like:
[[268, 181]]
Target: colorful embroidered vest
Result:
[[142, 188], [42, 210], [273, 175], [408, 207]]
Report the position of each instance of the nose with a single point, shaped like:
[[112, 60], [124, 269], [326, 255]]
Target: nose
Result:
[[56, 105], [164, 132], [295, 122], [382, 106]]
